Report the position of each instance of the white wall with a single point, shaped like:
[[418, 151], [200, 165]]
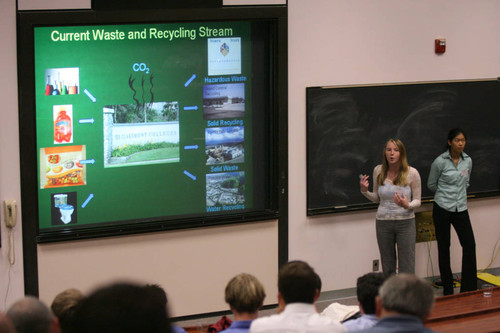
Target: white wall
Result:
[[342, 42], [330, 42]]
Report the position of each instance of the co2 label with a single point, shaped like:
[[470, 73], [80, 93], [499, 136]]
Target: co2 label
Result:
[[142, 67]]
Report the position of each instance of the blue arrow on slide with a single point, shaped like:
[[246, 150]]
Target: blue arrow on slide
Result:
[[190, 80], [187, 108], [191, 147], [92, 161], [86, 121], [92, 98], [193, 177], [90, 197]]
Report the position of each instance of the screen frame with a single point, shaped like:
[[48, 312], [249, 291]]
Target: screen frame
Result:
[[28, 20]]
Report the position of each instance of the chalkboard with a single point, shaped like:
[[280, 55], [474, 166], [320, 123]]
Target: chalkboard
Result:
[[348, 126]]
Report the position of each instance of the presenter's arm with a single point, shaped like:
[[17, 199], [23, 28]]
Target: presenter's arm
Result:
[[372, 196], [416, 190], [432, 181]]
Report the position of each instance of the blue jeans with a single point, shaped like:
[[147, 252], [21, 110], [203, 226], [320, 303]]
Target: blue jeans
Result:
[[400, 234]]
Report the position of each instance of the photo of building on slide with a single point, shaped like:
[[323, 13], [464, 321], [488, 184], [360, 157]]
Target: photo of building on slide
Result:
[[224, 145], [224, 101], [225, 189], [138, 134]]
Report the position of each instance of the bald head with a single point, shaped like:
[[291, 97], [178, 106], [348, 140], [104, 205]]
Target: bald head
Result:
[[29, 315], [407, 294]]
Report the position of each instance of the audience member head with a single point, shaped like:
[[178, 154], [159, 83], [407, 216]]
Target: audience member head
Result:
[[122, 308], [30, 315], [245, 295], [367, 287], [406, 294], [318, 282], [157, 291], [298, 283], [64, 305], [6, 325]]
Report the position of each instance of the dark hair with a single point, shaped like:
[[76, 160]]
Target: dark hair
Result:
[[453, 133], [297, 282], [157, 291], [367, 290], [318, 282], [122, 308]]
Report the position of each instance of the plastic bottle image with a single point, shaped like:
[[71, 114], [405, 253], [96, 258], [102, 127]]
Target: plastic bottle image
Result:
[[64, 89], [54, 90], [62, 127], [57, 86], [48, 87], [73, 90]]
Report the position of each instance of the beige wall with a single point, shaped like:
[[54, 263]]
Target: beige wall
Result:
[[192, 265], [330, 42]]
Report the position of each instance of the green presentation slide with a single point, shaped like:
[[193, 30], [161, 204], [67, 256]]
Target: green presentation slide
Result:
[[143, 122]]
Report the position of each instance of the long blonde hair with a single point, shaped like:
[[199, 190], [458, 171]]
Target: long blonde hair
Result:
[[402, 177]]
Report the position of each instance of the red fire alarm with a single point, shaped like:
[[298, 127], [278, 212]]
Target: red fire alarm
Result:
[[440, 45]]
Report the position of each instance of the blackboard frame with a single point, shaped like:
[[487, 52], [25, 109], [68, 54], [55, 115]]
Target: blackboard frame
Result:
[[355, 121]]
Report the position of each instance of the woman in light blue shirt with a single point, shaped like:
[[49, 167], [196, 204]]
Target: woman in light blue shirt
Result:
[[448, 179]]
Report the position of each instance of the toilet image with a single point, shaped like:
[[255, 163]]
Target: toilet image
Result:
[[66, 211]]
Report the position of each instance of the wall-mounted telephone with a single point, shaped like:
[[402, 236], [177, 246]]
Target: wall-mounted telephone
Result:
[[10, 213], [10, 219]]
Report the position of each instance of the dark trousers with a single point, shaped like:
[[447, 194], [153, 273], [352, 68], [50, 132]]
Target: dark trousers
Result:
[[461, 223]]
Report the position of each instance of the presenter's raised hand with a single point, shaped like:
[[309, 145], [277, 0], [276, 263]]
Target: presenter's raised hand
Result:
[[364, 183]]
